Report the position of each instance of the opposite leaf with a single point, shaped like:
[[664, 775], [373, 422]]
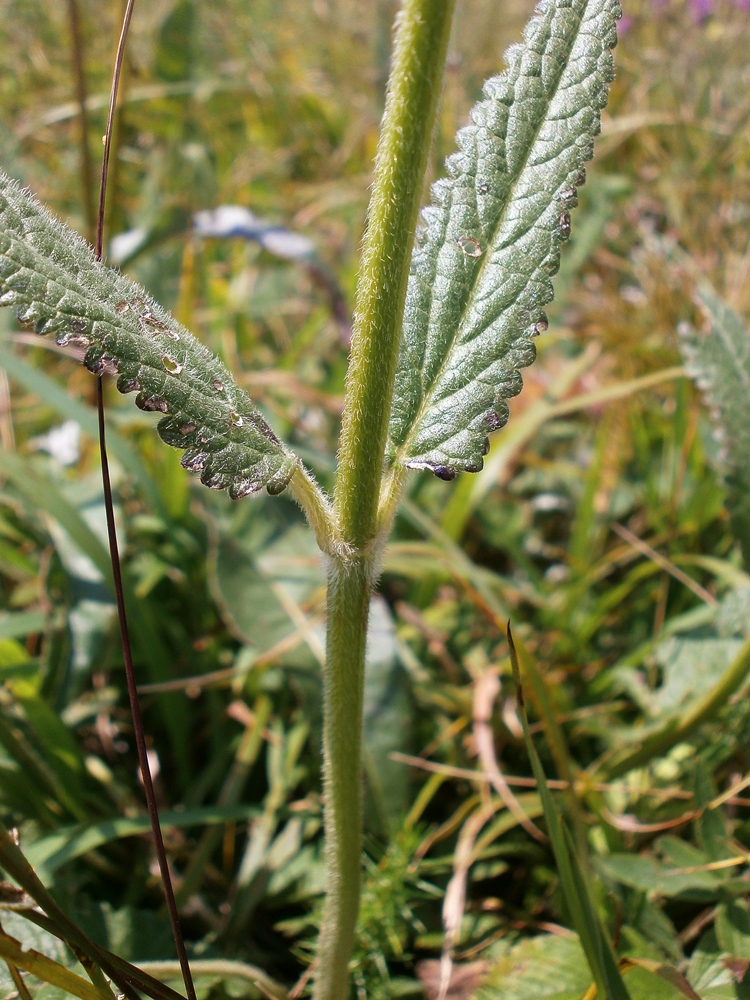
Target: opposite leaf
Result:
[[481, 267], [50, 275], [719, 362]]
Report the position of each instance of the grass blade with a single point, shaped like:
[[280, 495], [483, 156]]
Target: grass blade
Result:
[[46, 969], [592, 934]]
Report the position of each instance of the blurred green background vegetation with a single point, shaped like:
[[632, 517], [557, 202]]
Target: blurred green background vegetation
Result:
[[598, 525]]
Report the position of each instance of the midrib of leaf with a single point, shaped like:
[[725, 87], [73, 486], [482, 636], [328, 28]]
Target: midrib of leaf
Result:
[[486, 256], [424, 408], [512, 197]]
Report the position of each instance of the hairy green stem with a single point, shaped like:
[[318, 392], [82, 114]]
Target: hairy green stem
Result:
[[420, 48], [318, 512], [348, 603], [413, 91]]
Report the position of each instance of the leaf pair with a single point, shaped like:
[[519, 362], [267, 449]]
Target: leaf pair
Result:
[[481, 275]]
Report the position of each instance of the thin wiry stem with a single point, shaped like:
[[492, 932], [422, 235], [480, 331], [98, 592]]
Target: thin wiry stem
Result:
[[87, 172], [120, 55], [135, 708]]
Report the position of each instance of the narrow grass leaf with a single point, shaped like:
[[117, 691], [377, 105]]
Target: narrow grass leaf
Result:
[[122, 973], [46, 969], [42, 493], [52, 918], [50, 853], [614, 986], [592, 935], [37, 769], [482, 266]]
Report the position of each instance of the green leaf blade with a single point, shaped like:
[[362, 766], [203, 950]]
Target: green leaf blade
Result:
[[52, 279], [719, 362], [481, 270]]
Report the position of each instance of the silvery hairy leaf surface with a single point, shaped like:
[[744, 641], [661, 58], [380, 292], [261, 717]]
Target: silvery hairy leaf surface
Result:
[[51, 277], [482, 265]]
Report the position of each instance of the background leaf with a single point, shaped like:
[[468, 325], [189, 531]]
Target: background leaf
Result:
[[545, 966], [719, 362], [388, 720]]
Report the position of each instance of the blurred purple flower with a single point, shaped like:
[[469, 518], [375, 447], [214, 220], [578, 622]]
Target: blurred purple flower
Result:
[[701, 9], [625, 24]]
